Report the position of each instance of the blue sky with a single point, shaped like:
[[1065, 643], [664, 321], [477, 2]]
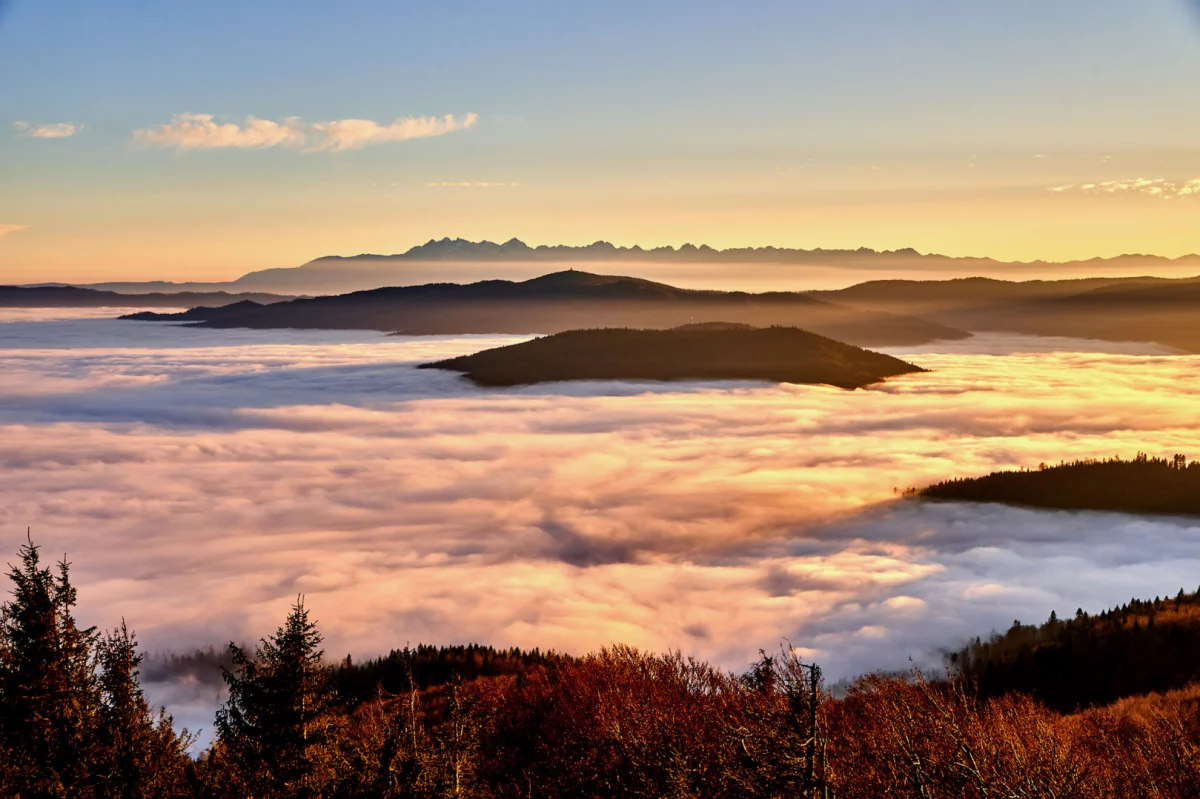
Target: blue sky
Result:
[[791, 123]]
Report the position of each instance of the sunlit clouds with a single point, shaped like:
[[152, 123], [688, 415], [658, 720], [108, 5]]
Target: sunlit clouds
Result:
[[352, 134], [201, 131], [55, 130], [200, 479], [1150, 187]]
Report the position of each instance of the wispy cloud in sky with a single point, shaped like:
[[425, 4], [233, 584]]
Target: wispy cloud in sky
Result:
[[1151, 187], [201, 131], [6, 229], [55, 130], [467, 184]]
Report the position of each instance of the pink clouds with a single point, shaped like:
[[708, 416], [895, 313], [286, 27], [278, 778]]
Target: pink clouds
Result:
[[200, 479], [54, 130], [201, 131]]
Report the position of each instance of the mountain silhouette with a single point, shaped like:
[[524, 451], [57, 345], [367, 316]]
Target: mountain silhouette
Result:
[[563, 301], [704, 351]]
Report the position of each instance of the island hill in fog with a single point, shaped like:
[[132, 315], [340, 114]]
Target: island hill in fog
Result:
[[563, 301], [704, 351], [1142, 485]]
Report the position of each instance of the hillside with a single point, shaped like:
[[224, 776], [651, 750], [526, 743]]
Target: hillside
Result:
[[1159, 310], [564, 301], [693, 352], [1141, 485], [1137, 648], [74, 297]]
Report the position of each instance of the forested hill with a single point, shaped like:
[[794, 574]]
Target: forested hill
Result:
[[1141, 485], [1137, 648], [692, 352]]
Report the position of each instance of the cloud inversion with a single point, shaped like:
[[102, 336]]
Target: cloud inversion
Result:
[[242, 467], [201, 131], [56, 130]]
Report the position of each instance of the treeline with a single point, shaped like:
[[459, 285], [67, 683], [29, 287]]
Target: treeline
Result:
[[1141, 485], [1089, 660], [425, 667], [617, 723]]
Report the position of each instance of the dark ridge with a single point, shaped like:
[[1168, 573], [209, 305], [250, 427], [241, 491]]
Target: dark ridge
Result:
[[74, 297], [1151, 309], [563, 301], [200, 314], [708, 351], [1141, 485], [1085, 661]]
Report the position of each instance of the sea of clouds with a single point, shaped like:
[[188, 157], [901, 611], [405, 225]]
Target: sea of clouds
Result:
[[199, 480]]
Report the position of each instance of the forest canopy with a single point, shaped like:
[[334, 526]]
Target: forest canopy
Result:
[[1141, 485]]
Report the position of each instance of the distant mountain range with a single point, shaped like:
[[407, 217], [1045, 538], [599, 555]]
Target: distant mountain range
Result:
[[429, 263], [872, 313], [562, 301]]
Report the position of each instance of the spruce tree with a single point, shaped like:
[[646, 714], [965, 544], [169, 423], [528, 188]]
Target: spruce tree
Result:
[[49, 696], [273, 726], [139, 755]]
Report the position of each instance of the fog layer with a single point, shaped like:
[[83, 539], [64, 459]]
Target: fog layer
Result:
[[200, 480]]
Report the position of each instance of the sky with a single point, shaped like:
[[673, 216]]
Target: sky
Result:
[[200, 141]]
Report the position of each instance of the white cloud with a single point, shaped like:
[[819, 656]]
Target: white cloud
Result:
[[246, 466], [201, 131], [193, 131], [55, 130], [1160, 188]]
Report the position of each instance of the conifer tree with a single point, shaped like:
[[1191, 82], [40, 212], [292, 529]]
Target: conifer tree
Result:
[[49, 696], [273, 726], [139, 755]]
